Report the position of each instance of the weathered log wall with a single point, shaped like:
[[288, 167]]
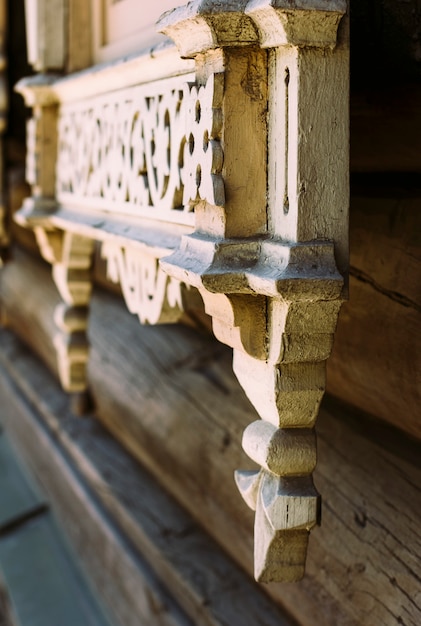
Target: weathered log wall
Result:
[[149, 561], [376, 361], [169, 394]]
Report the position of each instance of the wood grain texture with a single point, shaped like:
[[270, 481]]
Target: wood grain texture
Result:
[[31, 317], [128, 587], [168, 394], [193, 455], [376, 360], [211, 589]]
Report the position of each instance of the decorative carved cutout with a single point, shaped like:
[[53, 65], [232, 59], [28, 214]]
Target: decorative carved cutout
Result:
[[148, 292], [152, 150]]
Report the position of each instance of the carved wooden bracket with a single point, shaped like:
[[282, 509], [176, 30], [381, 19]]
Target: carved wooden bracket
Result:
[[71, 257], [270, 263]]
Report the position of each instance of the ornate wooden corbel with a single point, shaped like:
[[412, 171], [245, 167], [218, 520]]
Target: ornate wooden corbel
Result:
[[270, 260], [73, 278], [70, 255]]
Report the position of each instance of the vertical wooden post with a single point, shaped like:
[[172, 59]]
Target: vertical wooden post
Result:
[[46, 33], [271, 272]]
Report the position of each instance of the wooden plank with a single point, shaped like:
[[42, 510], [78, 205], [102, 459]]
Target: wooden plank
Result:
[[192, 456], [31, 317], [364, 560], [126, 584], [376, 360]]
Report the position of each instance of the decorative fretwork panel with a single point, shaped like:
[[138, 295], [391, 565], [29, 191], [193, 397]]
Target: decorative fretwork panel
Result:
[[151, 150], [147, 290]]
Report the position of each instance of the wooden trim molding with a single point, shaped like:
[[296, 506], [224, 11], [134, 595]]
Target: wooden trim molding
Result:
[[226, 174]]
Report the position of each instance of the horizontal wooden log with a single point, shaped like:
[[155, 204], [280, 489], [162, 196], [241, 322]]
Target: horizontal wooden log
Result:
[[376, 360], [169, 395], [128, 588], [94, 484], [29, 310]]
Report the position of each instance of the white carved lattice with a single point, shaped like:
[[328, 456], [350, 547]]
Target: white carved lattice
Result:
[[148, 292], [152, 150]]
